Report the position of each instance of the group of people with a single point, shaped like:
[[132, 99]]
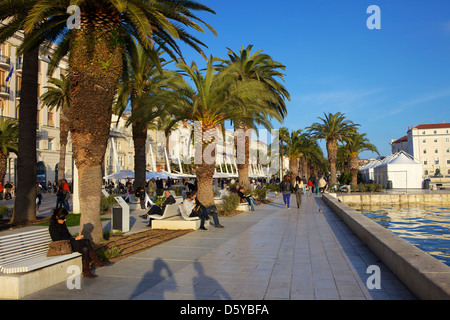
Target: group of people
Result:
[[299, 187], [190, 206]]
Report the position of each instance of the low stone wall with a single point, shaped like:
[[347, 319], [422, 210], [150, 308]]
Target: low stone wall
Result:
[[355, 199], [427, 277]]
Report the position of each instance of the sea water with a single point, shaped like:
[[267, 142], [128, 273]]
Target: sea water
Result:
[[426, 227]]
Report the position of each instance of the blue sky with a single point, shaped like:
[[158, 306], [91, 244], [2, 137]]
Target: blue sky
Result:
[[385, 80]]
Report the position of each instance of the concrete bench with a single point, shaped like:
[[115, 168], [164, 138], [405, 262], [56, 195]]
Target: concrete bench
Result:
[[178, 221], [169, 211], [243, 207], [25, 267]]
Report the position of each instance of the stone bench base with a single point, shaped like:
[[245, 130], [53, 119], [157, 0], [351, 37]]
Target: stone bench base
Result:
[[243, 207], [16, 286], [176, 223]]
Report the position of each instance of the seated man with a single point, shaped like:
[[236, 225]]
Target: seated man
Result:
[[193, 208], [159, 209], [247, 198]]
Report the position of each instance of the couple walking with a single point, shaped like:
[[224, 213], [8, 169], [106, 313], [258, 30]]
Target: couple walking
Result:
[[286, 188]]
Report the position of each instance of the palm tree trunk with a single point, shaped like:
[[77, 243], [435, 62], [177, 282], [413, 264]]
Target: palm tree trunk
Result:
[[332, 153], [3, 167], [353, 164], [205, 169], [293, 168], [243, 158], [25, 202], [139, 140], [95, 69], [63, 134]]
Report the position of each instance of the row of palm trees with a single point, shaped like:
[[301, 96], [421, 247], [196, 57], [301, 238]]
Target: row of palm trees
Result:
[[115, 62], [96, 58], [343, 144]]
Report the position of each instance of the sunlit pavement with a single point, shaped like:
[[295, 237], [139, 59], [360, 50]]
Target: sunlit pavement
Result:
[[271, 253]]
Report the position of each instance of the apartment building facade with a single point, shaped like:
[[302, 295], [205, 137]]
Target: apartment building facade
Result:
[[47, 141]]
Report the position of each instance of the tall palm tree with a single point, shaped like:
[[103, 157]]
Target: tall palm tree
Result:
[[293, 152], [283, 136], [9, 136], [333, 128], [95, 60], [355, 145], [143, 77], [212, 99], [256, 66], [12, 14], [58, 96]]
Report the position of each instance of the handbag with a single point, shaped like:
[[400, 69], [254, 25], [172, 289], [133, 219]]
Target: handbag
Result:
[[58, 248]]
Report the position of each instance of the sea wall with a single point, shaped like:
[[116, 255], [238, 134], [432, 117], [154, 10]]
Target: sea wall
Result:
[[427, 277], [406, 199]]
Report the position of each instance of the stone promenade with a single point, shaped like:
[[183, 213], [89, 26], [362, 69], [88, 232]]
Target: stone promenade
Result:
[[271, 253]]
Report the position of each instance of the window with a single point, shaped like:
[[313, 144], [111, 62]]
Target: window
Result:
[[436, 161], [436, 151], [424, 151], [424, 140], [435, 140], [425, 162], [448, 161], [50, 144], [423, 132], [435, 131]]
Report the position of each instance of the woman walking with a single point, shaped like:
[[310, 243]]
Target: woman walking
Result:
[[286, 189], [298, 189]]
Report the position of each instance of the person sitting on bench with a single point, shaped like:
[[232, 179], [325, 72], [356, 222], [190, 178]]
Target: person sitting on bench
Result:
[[194, 208], [159, 209]]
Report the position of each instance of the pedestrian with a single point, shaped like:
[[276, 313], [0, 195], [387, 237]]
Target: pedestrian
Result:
[[286, 189], [140, 194], [298, 189], [38, 196], [8, 187], [1, 191], [66, 194], [193, 208], [58, 231], [310, 187]]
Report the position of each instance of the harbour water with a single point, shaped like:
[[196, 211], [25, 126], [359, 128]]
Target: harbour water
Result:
[[426, 227]]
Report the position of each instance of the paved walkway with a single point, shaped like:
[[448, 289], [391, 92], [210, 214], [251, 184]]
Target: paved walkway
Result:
[[271, 253]]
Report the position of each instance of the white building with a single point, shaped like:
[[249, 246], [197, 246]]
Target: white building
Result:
[[430, 145]]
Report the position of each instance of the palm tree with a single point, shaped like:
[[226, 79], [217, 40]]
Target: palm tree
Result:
[[143, 77], [293, 152], [9, 136], [283, 135], [355, 145], [248, 66], [95, 60], [333, 128], [58, 96], [12, 15], [212, 99]]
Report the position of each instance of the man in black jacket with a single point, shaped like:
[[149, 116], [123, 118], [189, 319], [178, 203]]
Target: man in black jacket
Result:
[[159, 209]]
